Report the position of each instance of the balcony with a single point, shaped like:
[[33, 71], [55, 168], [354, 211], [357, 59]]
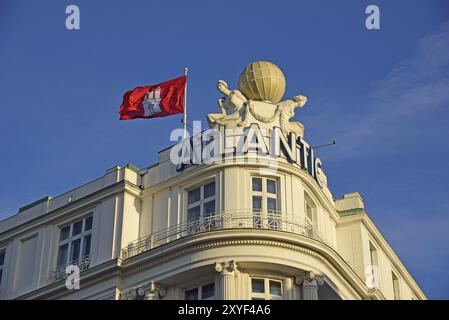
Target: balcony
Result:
[[60, 272], [275, 221]]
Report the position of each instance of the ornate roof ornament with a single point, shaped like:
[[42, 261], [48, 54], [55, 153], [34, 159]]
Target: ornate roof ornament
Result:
[[261, 87]]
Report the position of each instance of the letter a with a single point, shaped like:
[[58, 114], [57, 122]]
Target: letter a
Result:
[[72, 22], [73, 278], [373, 20]]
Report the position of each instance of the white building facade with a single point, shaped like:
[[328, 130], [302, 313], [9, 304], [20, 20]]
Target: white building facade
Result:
[[237, 228]]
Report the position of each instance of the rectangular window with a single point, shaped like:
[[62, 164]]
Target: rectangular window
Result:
[[310, 216], [309, 212], [194, 195], [62, 255], [65, 233], [257, 184], [209, 190], [204, 292], [194, 214], [272, 205], [395, 280], [373, 266], [275, 288], [257, 204], [192, 294], [75, 251], [271, 186], [2, 263], [208, 291], [209, 208], [86, 245], [265, 203], [258, 285], [75, 244], [88, 224], [257, 209], [77, 228], [266, 289], [201, 208]]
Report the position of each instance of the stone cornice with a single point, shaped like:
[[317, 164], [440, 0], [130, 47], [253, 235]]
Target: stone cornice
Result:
[[89, 277], [188, 245], [204, 241]]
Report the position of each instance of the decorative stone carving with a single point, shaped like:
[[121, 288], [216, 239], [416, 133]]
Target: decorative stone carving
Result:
[[227, 268], [232, 101], [230, 106], [287, 108], [228, 271], [238, 110], [149, 291], [309, 284]]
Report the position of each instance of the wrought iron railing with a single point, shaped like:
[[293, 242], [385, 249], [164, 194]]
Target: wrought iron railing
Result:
[[220, 221], [60, 273]]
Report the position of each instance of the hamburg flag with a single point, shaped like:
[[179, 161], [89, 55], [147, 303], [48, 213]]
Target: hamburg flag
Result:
[[154, 101]]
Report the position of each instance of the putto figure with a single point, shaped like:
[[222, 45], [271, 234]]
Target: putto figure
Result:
[[288, 111], [231, 107]]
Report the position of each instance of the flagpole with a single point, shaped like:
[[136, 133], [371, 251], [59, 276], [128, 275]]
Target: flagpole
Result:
[[186, 70]]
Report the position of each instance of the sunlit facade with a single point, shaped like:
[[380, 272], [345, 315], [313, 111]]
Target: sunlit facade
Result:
[[242, 227]]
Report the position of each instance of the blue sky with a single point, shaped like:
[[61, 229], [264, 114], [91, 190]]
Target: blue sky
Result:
[[383, 94]]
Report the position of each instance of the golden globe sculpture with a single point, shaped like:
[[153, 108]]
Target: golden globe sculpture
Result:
[[262, 81]]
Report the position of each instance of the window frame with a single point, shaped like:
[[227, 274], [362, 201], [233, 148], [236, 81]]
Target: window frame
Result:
[[308, 202], [266, 218], [69, 241], [201, 203], [266, 295], [396, 285], [374, 261], [199, 289]]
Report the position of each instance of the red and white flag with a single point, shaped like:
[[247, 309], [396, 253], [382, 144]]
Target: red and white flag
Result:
[[154, 101]]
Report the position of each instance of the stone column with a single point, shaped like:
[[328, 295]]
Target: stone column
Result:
[[309, 284], [228, 272], [154, 292]]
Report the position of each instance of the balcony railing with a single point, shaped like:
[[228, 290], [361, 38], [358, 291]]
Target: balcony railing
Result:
[[60, 272], [220, 221]]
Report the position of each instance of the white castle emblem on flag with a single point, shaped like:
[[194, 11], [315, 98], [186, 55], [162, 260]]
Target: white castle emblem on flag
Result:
[[151, 102]]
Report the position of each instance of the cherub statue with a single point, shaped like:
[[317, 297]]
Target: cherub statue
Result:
[[232, 101], [230, 106], [287, 111]]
